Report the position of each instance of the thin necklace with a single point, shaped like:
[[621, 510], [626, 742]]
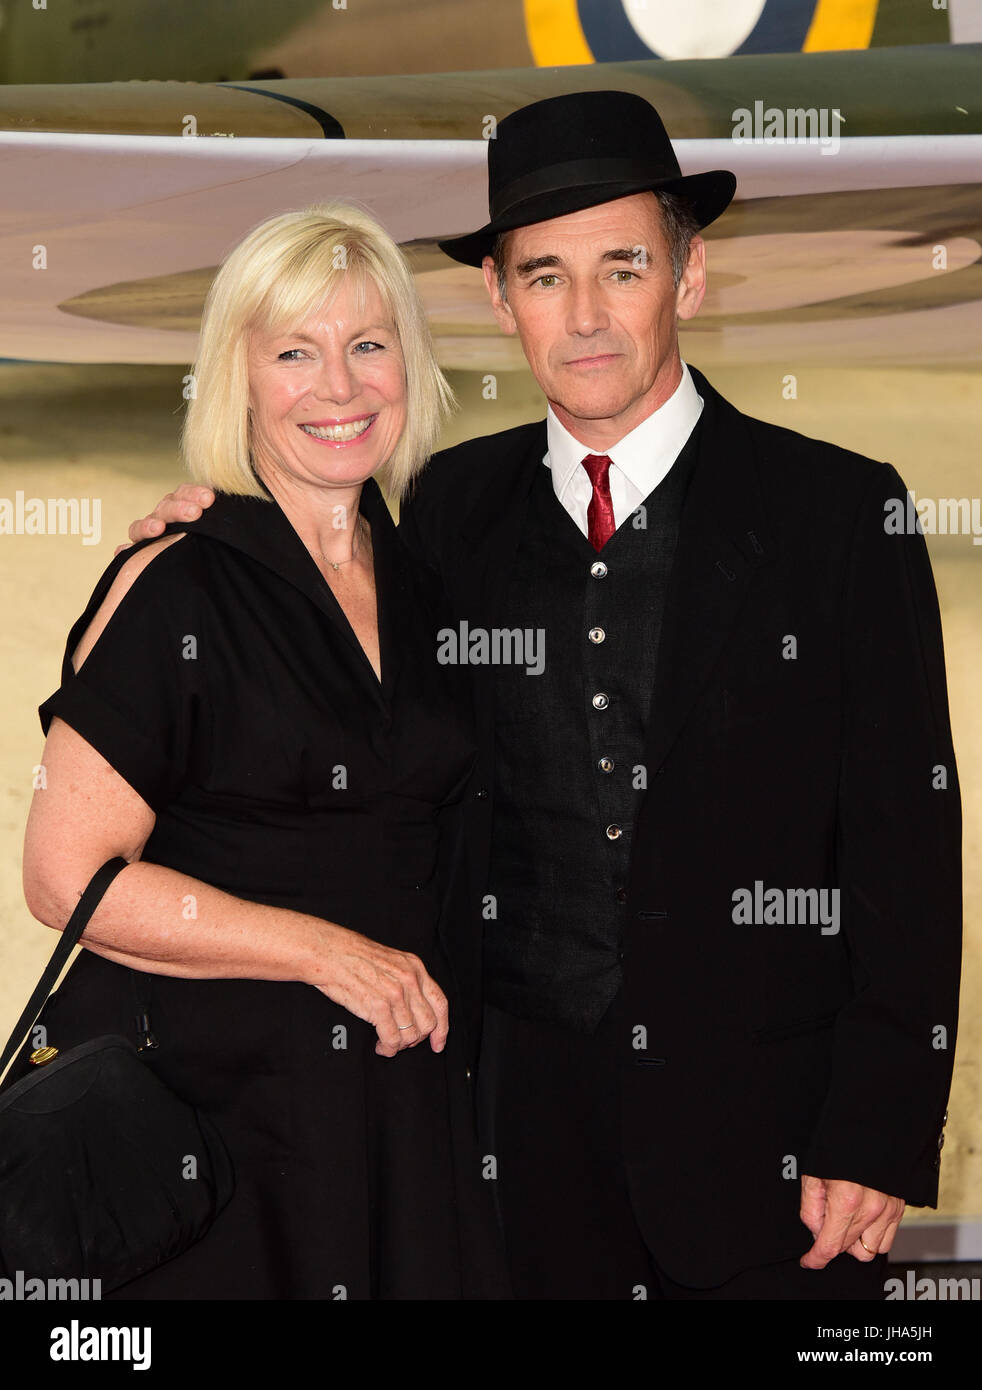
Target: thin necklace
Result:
[[336, 564]]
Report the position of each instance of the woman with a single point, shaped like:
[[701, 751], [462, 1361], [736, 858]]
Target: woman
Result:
[[252, 714]]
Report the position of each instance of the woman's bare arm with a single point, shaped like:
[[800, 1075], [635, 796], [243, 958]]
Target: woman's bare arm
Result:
[[165, 922]]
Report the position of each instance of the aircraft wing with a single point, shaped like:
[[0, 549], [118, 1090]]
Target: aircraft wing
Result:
[[867, 245]]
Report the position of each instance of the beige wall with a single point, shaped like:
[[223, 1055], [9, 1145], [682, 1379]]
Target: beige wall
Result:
[[111, 433]]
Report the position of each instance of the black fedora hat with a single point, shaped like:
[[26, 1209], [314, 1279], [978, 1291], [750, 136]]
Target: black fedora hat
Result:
[[575, 151]]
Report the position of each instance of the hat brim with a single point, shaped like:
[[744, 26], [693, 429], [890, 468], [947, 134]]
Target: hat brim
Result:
[[710, 193]]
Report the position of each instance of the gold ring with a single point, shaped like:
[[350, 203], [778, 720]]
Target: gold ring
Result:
[[866, 1247]]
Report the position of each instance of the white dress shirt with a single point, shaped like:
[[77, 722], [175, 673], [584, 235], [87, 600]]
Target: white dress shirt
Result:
[[638, 462]]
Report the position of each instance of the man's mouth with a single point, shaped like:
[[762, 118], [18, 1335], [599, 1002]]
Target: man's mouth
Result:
[[341, 432], [599, 360]]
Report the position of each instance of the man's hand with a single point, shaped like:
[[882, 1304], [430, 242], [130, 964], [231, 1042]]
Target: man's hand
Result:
[[186, 504], [844, 1216]]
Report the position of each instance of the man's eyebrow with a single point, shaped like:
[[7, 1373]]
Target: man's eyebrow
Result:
[[537, 263], [634, 254]]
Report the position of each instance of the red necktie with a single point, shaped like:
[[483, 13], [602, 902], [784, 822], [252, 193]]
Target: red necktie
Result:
[[600, 513]]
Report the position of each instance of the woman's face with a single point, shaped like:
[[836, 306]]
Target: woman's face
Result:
[[328, 400]]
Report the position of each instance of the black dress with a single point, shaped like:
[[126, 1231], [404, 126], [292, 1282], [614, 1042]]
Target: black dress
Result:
[[229, 690]]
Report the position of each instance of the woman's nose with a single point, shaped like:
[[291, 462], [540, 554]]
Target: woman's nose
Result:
[[335, 381]]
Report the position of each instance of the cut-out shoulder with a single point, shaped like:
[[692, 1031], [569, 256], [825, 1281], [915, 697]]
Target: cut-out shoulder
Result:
[[128, 574]]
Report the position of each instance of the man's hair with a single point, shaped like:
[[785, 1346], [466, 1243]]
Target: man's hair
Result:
[[281, 273], [678, 220]]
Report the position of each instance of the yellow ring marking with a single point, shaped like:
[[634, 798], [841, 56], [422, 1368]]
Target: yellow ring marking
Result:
[[840, 24], [555, 34]]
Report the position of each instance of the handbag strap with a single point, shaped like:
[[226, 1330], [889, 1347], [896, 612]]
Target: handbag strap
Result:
[[74, 928]]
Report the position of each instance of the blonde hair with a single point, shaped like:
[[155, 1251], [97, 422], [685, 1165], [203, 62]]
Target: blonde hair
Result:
[[273, 280]]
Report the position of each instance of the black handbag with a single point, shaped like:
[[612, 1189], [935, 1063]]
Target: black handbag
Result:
[[104, 1172]]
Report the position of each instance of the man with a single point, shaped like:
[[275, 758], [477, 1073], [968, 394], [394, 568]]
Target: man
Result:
[[715, 835]]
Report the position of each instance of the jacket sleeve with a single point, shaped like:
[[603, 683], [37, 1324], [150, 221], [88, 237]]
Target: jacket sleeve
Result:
[[421, 512], [898, 861]]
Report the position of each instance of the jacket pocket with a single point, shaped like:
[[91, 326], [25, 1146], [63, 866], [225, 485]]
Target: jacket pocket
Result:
[[778, 1032]]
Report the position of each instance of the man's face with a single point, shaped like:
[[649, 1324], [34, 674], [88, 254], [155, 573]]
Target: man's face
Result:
[[592, 299]]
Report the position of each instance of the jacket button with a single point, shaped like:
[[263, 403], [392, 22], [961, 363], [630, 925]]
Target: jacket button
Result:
[[606, 764], [600, 700], [482, 794], [613, 832], [598, 569], [597, 635], [621, 896]]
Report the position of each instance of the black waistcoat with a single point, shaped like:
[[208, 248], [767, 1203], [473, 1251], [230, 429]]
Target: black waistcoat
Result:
[[569, 749]]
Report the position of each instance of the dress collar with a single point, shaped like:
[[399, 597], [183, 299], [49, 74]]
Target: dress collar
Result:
[[259, 528]]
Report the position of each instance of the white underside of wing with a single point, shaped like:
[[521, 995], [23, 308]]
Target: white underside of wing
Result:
[[111, 212]]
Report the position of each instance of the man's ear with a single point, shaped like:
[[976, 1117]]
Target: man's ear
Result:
[[500, 306], [692, 286]]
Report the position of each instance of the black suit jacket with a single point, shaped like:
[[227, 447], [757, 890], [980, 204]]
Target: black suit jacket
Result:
[[798, 739]]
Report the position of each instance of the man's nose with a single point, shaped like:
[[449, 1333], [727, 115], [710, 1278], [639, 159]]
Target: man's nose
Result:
[[586, 313]]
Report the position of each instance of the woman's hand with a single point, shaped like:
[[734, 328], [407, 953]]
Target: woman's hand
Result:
[[86, 812], [387, 988]]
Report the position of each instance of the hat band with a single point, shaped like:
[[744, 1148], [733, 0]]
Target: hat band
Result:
[[576, 173]]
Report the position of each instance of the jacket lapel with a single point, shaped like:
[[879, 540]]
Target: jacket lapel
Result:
[[490, 535], [490, 532], [723, 540]]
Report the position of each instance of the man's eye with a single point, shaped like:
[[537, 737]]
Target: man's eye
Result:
[[546, 281], [624, 276]]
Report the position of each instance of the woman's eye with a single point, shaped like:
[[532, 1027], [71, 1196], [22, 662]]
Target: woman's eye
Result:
[[369, 346], [288, 356]]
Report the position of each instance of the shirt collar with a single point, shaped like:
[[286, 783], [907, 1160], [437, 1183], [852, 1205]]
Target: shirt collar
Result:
[[644, 455]]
